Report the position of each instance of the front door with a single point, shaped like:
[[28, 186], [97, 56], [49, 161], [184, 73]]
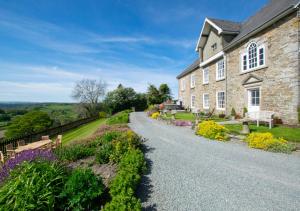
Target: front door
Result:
[[253, 99]]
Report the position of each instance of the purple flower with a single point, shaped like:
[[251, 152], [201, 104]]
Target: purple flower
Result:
[[28, 155], [183, 123]]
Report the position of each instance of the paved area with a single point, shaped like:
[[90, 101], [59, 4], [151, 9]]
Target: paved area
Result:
[[187, 172]]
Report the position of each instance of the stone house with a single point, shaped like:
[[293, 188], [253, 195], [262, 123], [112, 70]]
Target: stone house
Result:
[[253, 65]]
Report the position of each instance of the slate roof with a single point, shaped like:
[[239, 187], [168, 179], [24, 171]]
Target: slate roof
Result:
[[273, 9], [266, 14], [191, 68], [227, 26]]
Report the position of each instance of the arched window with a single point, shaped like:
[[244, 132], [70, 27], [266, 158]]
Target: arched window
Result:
[[252, 55]]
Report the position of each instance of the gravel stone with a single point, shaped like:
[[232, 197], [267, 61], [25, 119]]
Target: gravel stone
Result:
[[187, 172]]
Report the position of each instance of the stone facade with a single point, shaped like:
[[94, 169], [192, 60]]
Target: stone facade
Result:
[[278, 80]]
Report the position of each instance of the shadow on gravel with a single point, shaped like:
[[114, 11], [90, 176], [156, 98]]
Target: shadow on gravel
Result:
[[145, 188]]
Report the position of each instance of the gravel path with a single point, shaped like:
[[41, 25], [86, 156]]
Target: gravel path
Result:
[[191, 173]]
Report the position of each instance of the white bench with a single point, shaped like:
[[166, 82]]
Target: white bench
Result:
[[263, 116]]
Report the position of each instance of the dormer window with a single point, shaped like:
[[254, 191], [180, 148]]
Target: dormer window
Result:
[[253, 58], [214, 46]]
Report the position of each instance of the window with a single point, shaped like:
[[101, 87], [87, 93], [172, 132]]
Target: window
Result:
[[214, 46], [205, 76], [221, 100], [252, 55], [182, 84], [261, 56], [206, 101], [193, 81], [253, 58], [193, 99], [255, 97], [220, 70]]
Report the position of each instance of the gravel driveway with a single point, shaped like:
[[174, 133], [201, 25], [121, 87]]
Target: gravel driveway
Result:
[[191, 173]]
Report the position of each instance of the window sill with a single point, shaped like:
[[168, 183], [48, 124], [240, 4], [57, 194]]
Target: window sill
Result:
[[193, 87], [254, 69], [221, 109], [205, 107], [205, 83], [220, 79]]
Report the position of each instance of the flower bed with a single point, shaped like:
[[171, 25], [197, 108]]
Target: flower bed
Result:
[[24, 179], [212, 130]]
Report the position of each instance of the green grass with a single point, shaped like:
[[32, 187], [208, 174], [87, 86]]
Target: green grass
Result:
[[190, 117], [290, 134], [82, 131]]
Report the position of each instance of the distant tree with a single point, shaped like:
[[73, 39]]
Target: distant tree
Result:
[[88, 93], [153, 96], [31, 122], [2, 111], [165, 92], [4, 118], [123, 98]]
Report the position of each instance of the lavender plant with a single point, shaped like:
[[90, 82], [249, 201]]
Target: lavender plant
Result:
[[28, 155]]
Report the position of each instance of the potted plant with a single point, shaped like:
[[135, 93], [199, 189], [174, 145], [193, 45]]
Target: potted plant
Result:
[[233, 114]]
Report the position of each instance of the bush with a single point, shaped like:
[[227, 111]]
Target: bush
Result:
[[245, 110], [124, 184], [119, 118], [81, 189], [124, 143], [299, 114], [212, 130], [124, 202], [28, 155], [33, 186], [233, 113], [102, 115], [267, 141], [155, 115], [103, 154], [75, 152]]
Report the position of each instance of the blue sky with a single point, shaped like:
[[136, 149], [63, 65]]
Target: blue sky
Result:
[[46, 46]]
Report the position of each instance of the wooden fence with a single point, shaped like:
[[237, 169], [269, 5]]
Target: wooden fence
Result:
[[51, 132]]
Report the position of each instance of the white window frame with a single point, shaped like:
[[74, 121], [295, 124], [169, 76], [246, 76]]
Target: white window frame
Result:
[[218, 78], [193, 81], [217, 100], [183, 84], [246, 54], [204, 105], [204, 79], [193, 97]]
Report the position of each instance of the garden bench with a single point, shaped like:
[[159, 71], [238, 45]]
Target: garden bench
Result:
[[261, 116]]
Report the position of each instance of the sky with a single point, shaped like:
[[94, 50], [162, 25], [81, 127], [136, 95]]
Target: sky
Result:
[[47, 46]]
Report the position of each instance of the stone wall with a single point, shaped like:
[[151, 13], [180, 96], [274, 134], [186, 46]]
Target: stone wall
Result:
[[280, 78]]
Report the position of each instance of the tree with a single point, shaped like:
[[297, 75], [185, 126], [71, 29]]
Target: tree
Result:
[[31, 122], [165, 92], [153, 96], [2, 111], [88, 93], [123, 98]]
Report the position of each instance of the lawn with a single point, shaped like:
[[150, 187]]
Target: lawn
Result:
[[190, 117], [82, 131], [290, 134]]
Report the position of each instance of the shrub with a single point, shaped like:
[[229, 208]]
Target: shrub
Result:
[[267, 141], [299, 114], [155, 115], [102, 155], [124, 202], [123, 186], [245, 110], [102, 114], [124, 143], [233, 113], [33, 186], [212, 130], [119, 118], [28, 155], [222, 116], [75, 152], [81, 188]]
